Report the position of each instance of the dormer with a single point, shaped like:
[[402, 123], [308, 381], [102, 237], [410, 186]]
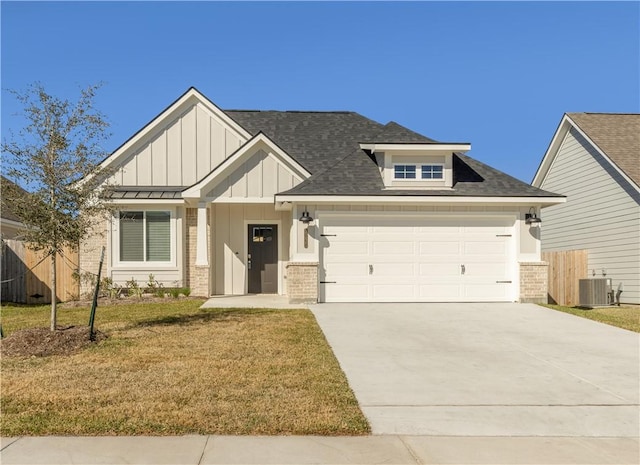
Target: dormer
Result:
[[416, 165]]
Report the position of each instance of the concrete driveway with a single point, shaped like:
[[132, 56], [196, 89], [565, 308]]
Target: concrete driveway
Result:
[[490, 369]]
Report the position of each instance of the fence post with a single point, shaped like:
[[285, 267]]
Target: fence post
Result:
[[92, 335]]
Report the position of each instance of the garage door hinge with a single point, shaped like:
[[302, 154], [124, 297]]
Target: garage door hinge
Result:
[[503, 235], [504, 282], [328, 282], [328, 235]]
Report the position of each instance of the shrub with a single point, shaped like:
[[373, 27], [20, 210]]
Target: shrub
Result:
[[186, 291], [133, 289]]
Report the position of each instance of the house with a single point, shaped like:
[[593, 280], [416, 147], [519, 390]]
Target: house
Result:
[[10, 223], [318, 206], [594, 159]]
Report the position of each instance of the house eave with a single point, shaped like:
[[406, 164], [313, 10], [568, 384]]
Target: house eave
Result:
[[381, 199], [412, 147]]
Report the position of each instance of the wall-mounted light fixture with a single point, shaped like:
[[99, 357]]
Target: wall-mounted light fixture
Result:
[[531, 218], [306, 219]]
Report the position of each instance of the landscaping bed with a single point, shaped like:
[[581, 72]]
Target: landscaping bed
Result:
[[172, 368]]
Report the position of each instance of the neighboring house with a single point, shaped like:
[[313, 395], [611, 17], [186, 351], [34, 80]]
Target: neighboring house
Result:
[[594, 159], [318, 206], [10, 224]]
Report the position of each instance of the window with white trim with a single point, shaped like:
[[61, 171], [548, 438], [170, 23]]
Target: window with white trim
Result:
[[426, 172], [145, 236], [432, 171], [404, 171]]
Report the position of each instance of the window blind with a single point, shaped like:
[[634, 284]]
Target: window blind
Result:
[[131, 236], [158, 237]]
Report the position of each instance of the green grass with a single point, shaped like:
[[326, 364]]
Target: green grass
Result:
[[625, 317], [173, 368]]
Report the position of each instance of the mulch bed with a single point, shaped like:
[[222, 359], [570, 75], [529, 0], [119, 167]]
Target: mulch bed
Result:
[[42, 342]]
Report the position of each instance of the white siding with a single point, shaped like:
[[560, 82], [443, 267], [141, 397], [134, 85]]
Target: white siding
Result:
[[602, 214], [261, 176], [228, 243], [180, 153]]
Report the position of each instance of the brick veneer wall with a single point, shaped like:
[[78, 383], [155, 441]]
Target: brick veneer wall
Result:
[[534, 282], [196, 277], [302, 282], [89, 255]]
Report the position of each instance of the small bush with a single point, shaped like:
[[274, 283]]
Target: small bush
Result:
[[174, 292], [133, 289], [186, 291]]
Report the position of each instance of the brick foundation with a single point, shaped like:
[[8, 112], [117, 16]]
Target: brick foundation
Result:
[[89, 255], [196, 277], [534, 282], [302, 282]]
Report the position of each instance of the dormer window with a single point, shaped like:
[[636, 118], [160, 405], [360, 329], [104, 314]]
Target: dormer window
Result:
[[432, 171], [404, 171], [424, 172], [415, 166]]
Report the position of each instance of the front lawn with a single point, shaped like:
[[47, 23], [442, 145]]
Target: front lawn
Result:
[[623, 317], [172, 368]]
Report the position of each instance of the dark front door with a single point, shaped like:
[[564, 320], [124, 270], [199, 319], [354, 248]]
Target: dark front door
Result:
[[262, 261]]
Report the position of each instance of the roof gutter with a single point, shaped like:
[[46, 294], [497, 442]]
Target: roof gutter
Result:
[[418, 199]]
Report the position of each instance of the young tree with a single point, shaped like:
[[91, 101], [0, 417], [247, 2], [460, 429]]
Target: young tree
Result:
[[56, 156]]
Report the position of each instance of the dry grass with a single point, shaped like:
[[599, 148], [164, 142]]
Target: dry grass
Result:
[[625, 317], [176, 369]]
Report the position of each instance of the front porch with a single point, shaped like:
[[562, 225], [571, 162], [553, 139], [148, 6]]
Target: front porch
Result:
[[234, 249]]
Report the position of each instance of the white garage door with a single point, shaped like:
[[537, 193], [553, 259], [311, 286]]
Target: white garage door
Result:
[[416, 259]]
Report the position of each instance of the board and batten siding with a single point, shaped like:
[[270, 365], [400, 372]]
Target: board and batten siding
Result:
[[261, 176], [184, 151], [229, 243], [602, 214]]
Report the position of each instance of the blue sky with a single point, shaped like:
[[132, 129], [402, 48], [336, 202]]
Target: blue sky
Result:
[[497, 74]]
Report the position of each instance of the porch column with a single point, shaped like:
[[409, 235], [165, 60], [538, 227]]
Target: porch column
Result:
[[202, 244]]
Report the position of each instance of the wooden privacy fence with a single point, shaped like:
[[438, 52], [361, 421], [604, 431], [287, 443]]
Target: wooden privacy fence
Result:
[[26, 276], [566, 268]]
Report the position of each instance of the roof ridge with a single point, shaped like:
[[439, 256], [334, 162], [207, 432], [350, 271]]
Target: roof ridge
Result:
[[601, 113], [342, 112]]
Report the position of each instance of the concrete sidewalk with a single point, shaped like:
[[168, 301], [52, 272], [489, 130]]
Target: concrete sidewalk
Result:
[[198, 450]]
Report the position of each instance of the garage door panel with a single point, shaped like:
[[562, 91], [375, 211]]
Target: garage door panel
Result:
[[438, 247], [393, 230], [394, 269], [393, 248], [346, 269], [417, 259], [439, 270], [347, 248], [489, 292], [347, 292], [484, 248], [440, 292], [391, 291], [489, 271], [348, 230]]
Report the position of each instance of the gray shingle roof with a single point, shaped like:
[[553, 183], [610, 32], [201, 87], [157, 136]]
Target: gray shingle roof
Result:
[[617, 135], [317, 140], [328, 145], [358, 175]]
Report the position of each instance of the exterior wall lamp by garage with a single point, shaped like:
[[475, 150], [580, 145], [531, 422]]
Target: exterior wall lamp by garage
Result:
[[306, 219], [531, 218]]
